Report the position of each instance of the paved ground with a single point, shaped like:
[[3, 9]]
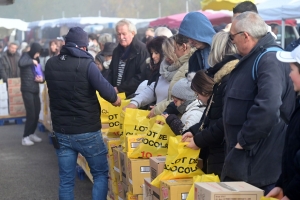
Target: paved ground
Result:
[[31, 173]]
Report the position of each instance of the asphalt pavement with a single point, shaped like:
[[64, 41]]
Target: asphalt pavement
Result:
[[31, 173]]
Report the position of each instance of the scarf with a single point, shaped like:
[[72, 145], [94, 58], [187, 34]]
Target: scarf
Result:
[[183, 106], [168, 71]]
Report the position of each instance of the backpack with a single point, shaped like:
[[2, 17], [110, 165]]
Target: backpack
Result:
[[255, 65]]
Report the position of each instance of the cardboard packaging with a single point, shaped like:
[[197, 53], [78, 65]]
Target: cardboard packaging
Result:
[[111, 143], [132, 142], [3, 111], [138, 169], [3, 103], [123, 167], [130, 196], [177, 189], [157, 165], [155, 193], [125, 190], [147, 190], [3, 94], [14, 82], [3, 87], [17, 109], [14, 91], [227, 190], [13, 100]]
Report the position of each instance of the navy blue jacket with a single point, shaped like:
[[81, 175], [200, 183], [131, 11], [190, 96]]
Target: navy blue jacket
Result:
[[251, 117]]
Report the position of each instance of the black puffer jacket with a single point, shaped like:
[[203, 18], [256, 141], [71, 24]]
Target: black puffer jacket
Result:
[[27, 77], [6, 67]]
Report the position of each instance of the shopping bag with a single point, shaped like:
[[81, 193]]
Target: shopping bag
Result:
[[135, 122], [268, 198], [181, 162], [202, 178], [105, 107], [155, 142], [114, 119]]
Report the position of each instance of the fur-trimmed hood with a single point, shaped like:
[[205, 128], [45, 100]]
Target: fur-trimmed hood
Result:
[[225, 70]]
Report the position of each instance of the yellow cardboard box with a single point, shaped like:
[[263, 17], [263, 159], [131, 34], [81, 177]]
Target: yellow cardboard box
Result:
[[132, 142], [138, 169]]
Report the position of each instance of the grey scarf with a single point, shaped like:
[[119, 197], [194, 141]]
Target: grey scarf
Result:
[[168, 71], [183, 106]]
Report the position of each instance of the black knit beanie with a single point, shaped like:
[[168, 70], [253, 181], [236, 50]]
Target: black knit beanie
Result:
[[77, 36], [34, 48]]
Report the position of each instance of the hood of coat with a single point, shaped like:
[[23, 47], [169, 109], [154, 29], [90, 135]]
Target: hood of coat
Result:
[[225, 70]]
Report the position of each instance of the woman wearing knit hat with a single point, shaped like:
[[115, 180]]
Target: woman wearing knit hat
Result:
[[208, 134], [187, 105], [30, 93]]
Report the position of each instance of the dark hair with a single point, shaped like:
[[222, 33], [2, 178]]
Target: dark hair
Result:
[[156, 45], [93, 36], [181, 39], [298, 66], [202, 83], [245, 6]]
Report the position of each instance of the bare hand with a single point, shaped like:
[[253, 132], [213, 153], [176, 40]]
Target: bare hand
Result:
[[191, 144], [276, 192], [39, 79], [118, 102], [238, 146], [116, 89], [131, 105], [285, 198], [35, 62], [160, 122], [151, 114], [165, 115], [186, 136]]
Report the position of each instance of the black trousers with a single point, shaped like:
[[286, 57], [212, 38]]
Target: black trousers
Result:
[[33, 107]]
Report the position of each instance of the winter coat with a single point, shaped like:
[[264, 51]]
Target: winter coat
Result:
[[191, 116], [5, 66], [253, 116], [134, 67], [204, 32], [28, 83], [183, 60], [289, 179], [212, 134]]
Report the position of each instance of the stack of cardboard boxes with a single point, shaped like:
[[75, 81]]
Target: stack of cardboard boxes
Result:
[[3, 100], [16, 104]]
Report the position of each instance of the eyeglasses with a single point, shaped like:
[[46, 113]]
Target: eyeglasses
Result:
[[231, 36]]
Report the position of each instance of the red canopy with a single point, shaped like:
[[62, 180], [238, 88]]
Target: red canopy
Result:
[[173, 21]]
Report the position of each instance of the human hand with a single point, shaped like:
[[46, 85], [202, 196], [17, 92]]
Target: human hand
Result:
[[39, 79], [116, 89], [160, 122], [165, 115], [186, 136], [131, 105], [35, 62], [276, 192], [117, 102], [191, 144], [285, 198], [151, 114], [238, 146]]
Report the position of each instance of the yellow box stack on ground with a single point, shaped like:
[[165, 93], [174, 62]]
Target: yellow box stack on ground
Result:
[[176, 189], [132, 142], [227, 190], [117, 171], [130, 196], [138, 169]]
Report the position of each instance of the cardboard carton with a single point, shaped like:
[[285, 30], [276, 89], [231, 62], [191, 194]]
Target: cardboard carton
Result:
[[118, 175], [132, 142], [157, 165], [3, 87], [176, 189], [130, 196], [14, 91], [3, 103], [147, 190], [17, 109], [111, 143], [227, 190], [3, 94], [13, 100], [3, 111], [14, 82], [123, 166], [138, 169]]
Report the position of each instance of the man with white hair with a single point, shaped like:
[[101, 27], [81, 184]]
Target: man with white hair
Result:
[[128, 59], [258, 103], [163, 31]]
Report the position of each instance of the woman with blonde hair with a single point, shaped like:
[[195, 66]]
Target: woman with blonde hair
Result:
[[208, 134]]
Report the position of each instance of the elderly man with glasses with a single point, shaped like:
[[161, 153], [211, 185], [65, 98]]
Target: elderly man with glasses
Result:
[[256, 110]]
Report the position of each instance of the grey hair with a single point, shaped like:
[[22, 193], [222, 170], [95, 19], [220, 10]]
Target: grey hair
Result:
[[251, 23], [105, 37], [168, 49], [221, 46], [131, 26], [163, 31]]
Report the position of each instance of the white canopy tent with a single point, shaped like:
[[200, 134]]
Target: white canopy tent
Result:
[[279, 10]]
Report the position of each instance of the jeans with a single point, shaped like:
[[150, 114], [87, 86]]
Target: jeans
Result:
[[92, 147], [33, 108]]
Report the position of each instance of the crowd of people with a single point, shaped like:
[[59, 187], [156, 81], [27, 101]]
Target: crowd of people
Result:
[[229, 93]]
